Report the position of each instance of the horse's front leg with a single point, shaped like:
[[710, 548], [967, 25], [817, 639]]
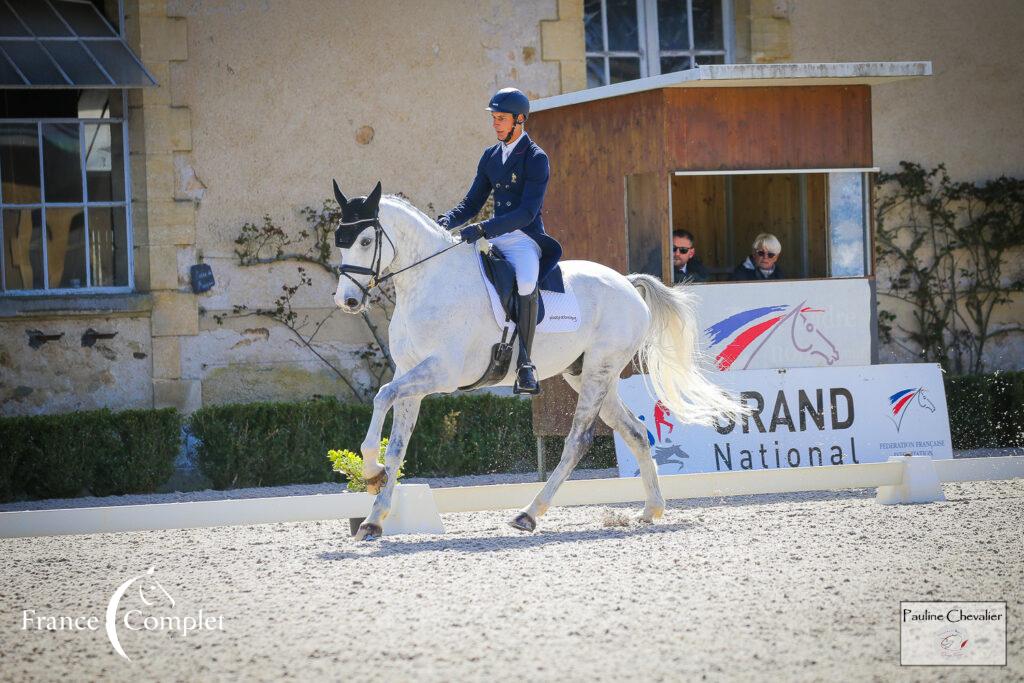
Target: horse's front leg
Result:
[[406, 412], [425, 378]]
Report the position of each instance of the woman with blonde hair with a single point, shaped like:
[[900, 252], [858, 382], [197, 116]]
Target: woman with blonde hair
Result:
[[762, 264]]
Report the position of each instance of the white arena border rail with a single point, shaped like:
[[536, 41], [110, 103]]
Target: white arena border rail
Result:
[[902, 479]]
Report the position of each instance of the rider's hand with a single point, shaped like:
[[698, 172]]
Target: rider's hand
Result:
[[471, 233], [442, 220]]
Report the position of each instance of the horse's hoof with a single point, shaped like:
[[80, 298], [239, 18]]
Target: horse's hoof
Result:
[[375, 484], [368, 532], [651, 514], [523, 522]]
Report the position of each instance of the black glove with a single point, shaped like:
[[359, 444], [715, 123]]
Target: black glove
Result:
[[471, 233], [442, 220]]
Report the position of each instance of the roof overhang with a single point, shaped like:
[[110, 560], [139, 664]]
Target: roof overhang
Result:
[[64, 44], [748, 76]]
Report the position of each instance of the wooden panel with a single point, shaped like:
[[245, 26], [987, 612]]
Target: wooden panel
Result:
[[758, 128], [817, 224], [646, 224], [698, 205], [592, 148]]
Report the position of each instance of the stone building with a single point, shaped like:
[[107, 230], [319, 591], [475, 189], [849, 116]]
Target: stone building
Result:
[[240, 109]]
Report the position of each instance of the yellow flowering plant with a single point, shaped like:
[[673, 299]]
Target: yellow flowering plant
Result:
[[350, 464]]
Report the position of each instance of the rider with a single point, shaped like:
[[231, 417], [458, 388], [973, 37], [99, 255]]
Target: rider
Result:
[[516, 169]]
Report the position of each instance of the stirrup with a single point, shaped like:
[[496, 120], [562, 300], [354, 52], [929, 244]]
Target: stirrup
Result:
[[530, 384]]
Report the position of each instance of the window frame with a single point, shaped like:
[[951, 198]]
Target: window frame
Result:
[[866, 175], [647, 35], [126, 204]]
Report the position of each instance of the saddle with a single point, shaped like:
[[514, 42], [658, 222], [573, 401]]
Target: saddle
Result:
[[503, 276]]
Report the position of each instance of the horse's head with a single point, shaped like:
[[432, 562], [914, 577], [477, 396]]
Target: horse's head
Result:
[[808, 338], [366, 249]]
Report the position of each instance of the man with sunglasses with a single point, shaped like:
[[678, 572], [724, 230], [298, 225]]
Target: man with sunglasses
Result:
[[686, 267], [762, 264]]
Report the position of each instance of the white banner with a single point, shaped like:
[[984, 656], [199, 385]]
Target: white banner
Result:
[[786, 324], [802, 417]]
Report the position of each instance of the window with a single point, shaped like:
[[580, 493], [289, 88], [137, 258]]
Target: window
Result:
[[64, 223], [821, 217], [628, 39]]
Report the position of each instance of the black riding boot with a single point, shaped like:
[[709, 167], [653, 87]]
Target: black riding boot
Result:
[[526, 377]]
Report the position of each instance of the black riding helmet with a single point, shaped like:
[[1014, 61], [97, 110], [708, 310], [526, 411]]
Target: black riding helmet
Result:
[[511, 101]]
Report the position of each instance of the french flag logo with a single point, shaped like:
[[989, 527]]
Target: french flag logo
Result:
[[900, 402], [742, 330]]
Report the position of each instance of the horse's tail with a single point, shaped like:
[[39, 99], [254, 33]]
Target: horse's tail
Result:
[[670, 356]]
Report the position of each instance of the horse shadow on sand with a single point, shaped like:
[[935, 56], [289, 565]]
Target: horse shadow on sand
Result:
[[489, 544]]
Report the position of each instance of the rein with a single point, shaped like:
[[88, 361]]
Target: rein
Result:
[[374, 272]]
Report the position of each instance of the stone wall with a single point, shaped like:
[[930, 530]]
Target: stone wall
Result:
[[64, 374]]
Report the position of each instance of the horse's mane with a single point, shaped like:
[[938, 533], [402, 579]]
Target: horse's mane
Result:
[[408, 207]]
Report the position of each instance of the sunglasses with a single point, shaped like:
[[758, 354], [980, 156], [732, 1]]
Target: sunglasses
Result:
[[765, 254], [682, 250]]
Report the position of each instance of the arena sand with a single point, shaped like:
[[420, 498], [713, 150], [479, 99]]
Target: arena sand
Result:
[[780, 587]]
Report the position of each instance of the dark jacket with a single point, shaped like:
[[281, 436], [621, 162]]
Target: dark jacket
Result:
[[519, 186], [748, 271], [695, 272]]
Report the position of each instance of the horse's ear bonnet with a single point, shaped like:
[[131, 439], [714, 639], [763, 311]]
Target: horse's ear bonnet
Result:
[[357, 214]]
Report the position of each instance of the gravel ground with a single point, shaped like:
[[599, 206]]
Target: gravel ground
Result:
[[772, 587]]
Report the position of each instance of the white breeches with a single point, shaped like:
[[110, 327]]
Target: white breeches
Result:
[[524, 255]]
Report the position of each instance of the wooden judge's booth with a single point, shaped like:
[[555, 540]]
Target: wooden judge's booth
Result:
[[724, 152]]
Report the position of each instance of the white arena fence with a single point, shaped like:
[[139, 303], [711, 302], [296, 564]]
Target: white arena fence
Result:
[[907, 479]]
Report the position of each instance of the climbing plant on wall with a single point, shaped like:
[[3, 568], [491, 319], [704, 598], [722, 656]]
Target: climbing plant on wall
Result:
[[312, 248], [954, 253]]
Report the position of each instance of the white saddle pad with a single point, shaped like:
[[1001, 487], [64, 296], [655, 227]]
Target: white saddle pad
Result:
[[561, 311]]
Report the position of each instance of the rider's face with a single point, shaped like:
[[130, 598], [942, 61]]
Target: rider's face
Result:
[[502, 124]]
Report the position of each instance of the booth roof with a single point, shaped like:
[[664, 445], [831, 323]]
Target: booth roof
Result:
[[749, 75]]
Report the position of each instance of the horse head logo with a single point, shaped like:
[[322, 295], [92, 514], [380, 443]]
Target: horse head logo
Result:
[[150, 593], [807, 338], [900, 402], [952, 642]]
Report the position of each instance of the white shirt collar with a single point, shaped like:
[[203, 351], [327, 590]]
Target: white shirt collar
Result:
[[507, 149]]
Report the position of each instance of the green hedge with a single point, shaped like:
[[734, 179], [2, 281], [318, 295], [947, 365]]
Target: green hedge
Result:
[[87, 453], [986, 411], [264, 444]]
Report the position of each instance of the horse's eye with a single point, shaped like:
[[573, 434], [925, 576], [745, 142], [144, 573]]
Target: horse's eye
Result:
[[365, 242]]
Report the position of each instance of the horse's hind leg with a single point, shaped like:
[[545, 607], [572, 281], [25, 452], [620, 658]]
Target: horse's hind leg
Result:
[[593, 388], [617, 416]]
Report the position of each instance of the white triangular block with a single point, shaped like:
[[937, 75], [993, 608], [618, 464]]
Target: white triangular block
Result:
[[413, 511], [920, 482]]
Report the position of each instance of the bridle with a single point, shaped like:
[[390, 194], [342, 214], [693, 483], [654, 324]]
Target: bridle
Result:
[[341, 240]]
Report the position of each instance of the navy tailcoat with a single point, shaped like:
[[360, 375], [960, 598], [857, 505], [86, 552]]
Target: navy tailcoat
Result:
[[519, 185]]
